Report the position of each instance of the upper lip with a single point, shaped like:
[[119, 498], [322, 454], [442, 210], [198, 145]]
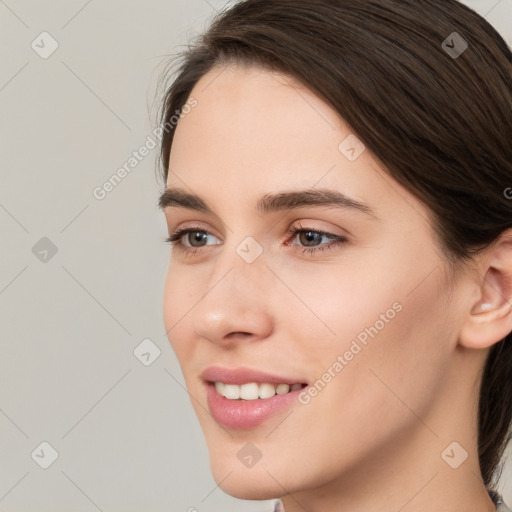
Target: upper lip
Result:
[[243, 375]]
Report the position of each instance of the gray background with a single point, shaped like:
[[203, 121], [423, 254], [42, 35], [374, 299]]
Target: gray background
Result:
[[126, 435]]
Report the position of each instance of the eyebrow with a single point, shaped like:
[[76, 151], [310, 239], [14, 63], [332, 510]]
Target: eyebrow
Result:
[[268, 203]]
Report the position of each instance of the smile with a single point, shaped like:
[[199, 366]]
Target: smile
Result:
[[244, 398]]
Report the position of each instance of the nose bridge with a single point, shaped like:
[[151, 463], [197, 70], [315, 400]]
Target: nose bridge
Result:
[[236, 296], [241, 264]]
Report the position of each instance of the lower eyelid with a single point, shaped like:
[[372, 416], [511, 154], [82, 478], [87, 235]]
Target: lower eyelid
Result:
[[334, 243]]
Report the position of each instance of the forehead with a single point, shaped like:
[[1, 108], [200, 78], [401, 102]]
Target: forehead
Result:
[[256, 131], [249, 116], [242, 101]]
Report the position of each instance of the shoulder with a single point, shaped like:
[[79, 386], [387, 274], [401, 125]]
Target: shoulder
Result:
[[278, 507], [501, 506]]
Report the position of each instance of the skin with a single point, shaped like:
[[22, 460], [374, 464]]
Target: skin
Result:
[[372, 438]]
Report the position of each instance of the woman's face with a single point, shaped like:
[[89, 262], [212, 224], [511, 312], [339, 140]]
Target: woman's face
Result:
[[365, 317]]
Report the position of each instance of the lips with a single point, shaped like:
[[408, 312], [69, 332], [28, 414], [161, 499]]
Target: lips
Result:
[[238, 413]]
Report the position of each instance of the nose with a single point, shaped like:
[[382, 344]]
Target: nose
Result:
[[235, 305]]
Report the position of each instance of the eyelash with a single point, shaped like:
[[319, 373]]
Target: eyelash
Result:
[[176, 237]]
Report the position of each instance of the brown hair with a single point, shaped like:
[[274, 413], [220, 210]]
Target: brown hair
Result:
[[441, 124]]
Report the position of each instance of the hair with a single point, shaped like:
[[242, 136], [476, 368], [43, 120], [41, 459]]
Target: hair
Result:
[[441, 124]]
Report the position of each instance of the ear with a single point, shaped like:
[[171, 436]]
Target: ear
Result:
[[490, 317]]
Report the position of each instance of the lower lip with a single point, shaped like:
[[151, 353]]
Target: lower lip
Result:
[[244, 414]]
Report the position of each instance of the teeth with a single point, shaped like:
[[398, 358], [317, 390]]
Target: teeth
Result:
[[232, 391], [249, 391], [282, 389], [253, 390], [219, 386], [267, 390]]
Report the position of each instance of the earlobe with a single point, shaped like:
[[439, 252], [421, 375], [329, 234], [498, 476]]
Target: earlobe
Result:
[[487, 324], [481, 307], [493, 293], [490, 318]]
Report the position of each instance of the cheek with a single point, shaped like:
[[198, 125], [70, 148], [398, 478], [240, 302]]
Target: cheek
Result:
[[385, 320], [179, 298], [335, 303], [402, 362]]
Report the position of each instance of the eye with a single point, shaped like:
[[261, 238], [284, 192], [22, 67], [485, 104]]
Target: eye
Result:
[[199, 237], [312, 239]]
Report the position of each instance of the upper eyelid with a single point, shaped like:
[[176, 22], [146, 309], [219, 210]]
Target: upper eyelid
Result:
[[192, 227], [196, 225]]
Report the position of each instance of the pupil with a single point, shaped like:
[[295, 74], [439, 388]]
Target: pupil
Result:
[[198, 236], [311, 236]]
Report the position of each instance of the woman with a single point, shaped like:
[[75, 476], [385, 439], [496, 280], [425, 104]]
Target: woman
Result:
[[339, 293]]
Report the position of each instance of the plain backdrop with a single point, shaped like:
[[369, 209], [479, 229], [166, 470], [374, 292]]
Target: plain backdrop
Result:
[[89, 385]]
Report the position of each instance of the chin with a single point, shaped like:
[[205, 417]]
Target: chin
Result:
[[262, 480], [247, 484]]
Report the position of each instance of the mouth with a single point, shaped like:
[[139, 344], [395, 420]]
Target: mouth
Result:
[[244, 399], [254, 390]]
